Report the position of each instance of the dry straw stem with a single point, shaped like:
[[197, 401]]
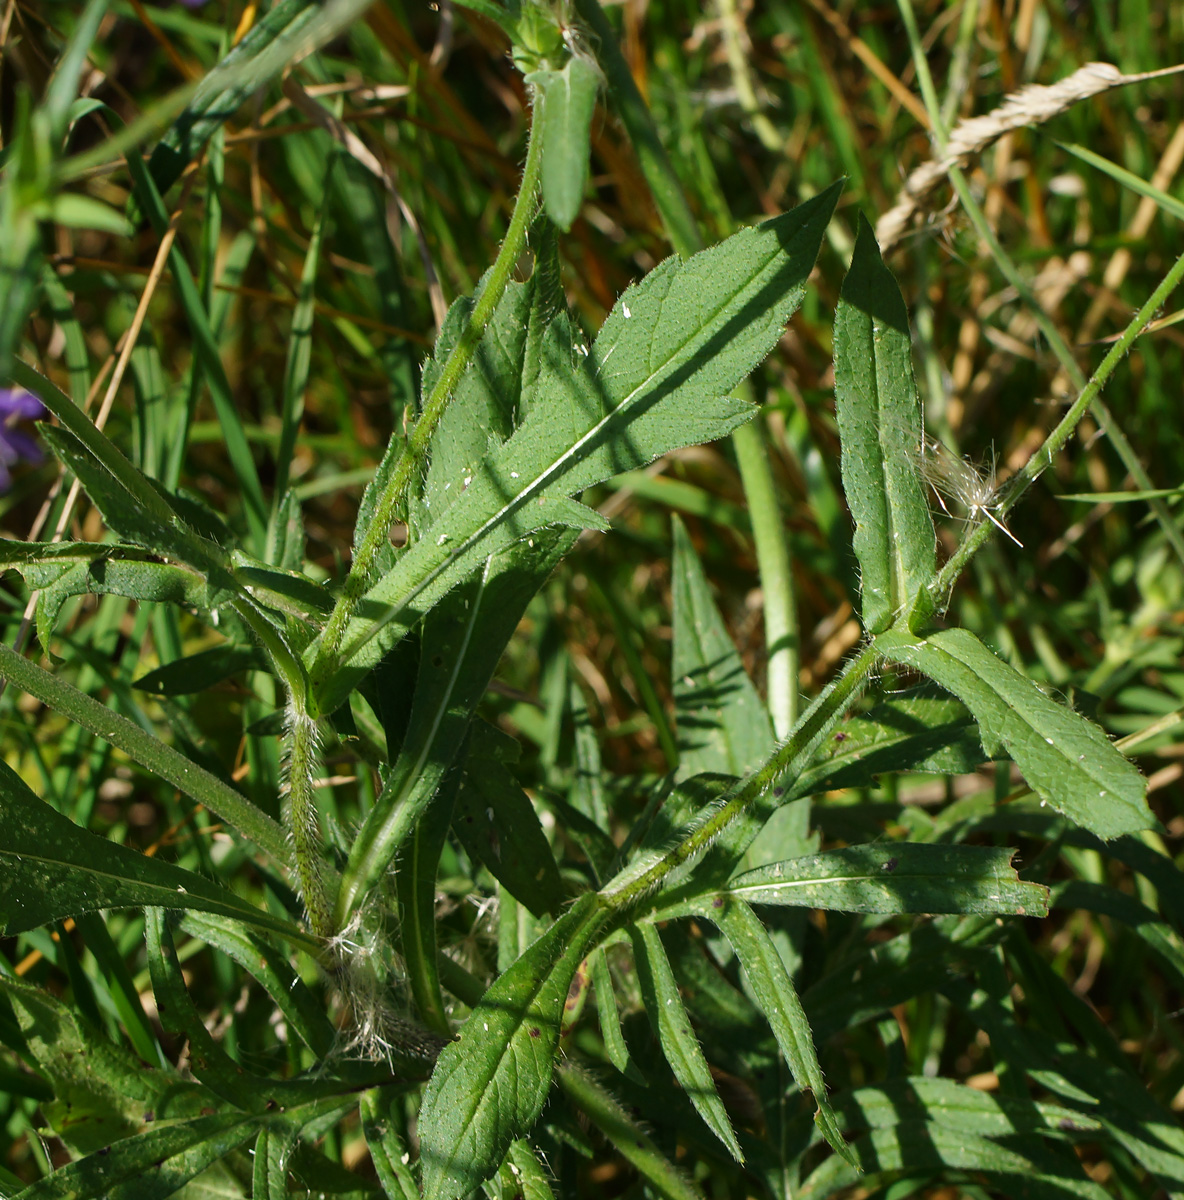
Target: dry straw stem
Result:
[[1032, 105]]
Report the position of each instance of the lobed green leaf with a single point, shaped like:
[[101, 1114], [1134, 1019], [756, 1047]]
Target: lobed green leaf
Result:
[[51, 868]]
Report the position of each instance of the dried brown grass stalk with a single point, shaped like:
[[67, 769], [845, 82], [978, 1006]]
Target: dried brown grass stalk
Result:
[[1032, 105]]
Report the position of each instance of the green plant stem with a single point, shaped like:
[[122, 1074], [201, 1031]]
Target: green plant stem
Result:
[[782, 642], [793, 753], [756, 477], [1055, 442], [302, 754], [415, 452], [1044, 322]]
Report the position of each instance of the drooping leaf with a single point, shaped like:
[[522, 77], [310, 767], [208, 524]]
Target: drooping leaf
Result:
[[125, 512], [302, 1011], [1066, 759], [775, 995], [197, 672], [489, 1085], [565, 104], [672, 1027], [148, 1166], [101, 1091], [51, 868], [890, 878], [722, 724], [879, 414], [1006, 1171], [655, 380]]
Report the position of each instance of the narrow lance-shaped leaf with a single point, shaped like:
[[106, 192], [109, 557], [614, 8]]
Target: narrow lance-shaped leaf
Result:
[[610, 1019], [489, 1086], [664, 1007], [51, 868], [879, 414], [656, 379], [775, 995], [1067, 760], [722, 724], [891, 878], [224, 89]]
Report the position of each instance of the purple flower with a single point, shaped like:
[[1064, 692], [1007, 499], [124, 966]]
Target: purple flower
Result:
[[15, 445]]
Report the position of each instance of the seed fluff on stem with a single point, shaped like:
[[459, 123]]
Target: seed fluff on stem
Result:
[[956, 478]]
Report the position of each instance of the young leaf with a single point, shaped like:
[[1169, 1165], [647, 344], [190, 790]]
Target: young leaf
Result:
[[273, 1149], [489, 1085], [672, 1026], [1066, 759], [891, 878], [879, 414], [773, 990], [656, 379], [386, 1148], [51, 868], [722, 724], [565, 104], [521, 1176]]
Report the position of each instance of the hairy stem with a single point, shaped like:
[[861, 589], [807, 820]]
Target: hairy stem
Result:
[[1055, 442], [793, 754], [415, 452], [302, 753], [1089, 393]]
